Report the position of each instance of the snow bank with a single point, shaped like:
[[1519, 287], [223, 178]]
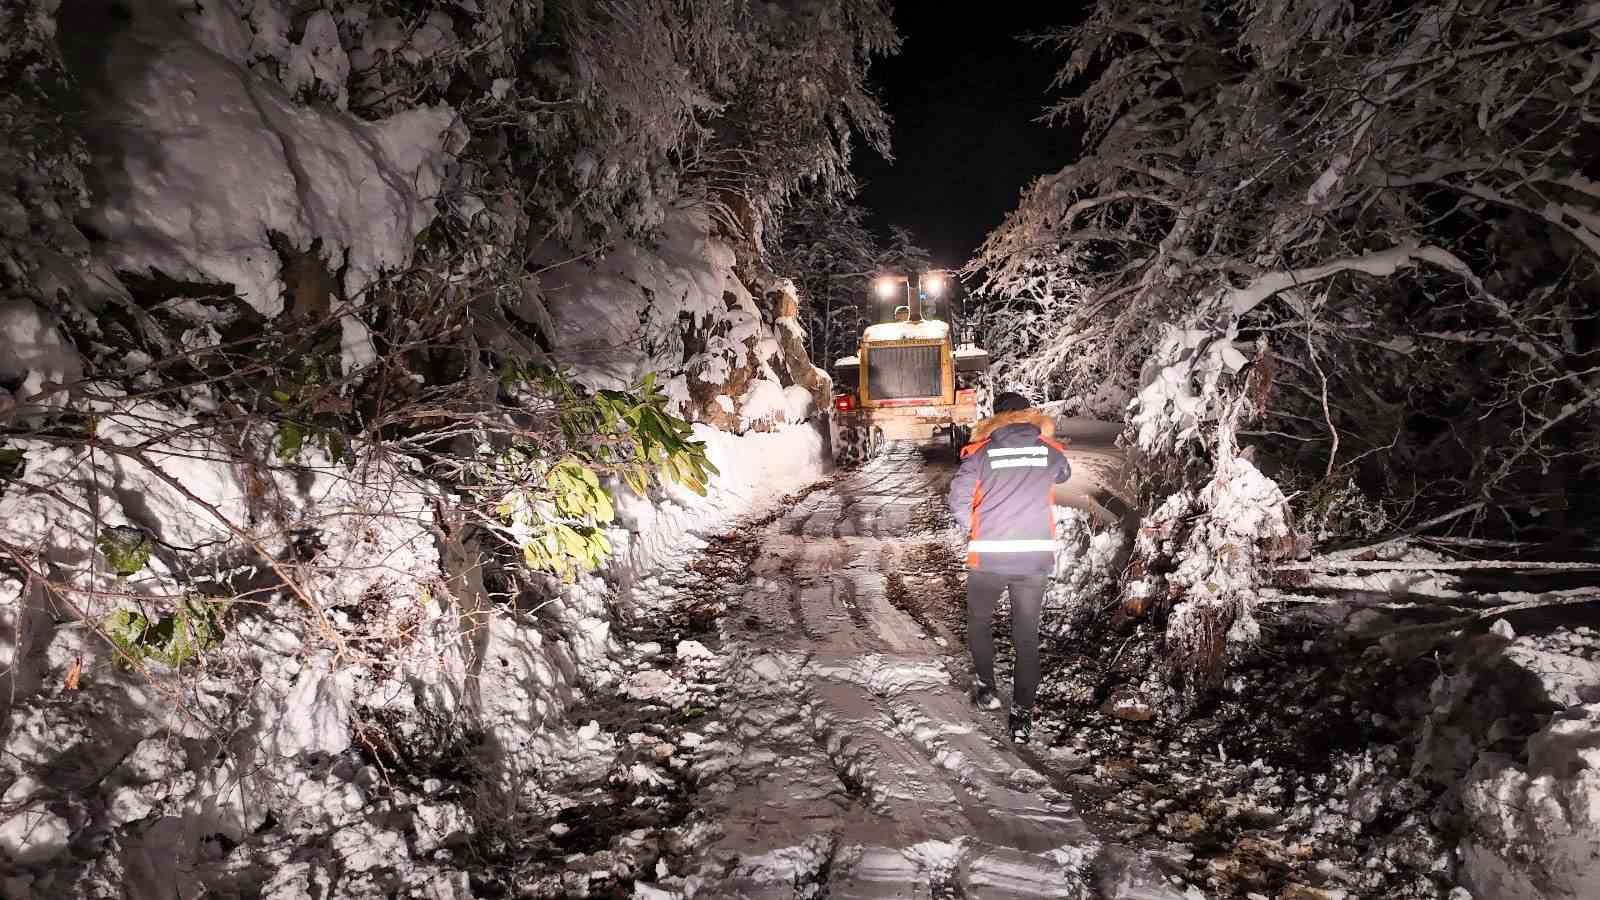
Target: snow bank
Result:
[[607, 312], [1514, 737], [358, 626], [756, 469], [398, 642], [768, 403], [201, 160]]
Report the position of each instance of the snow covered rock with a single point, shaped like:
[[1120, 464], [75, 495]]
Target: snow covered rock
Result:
[[440, 825], [367, 846], [1514, 735], [315, 716], [202, 160], [1535, 829], [652, 684], [33, 835], [694, 650], [35, 358], [298, 879], [679, 308]]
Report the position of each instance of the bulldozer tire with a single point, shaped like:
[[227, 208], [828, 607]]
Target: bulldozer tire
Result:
[[853, 447], [983, 382], [960, 436]]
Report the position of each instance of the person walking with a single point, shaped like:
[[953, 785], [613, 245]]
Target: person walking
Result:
[[1001, 499]]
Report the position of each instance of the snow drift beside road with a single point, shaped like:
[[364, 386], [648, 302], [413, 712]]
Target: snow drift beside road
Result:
[[756, 469]]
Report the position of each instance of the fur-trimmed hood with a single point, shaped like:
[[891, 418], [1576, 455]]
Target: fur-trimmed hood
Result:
[[1045, 423]]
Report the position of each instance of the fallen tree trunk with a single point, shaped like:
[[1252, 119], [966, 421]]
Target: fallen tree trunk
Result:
[[1479, 605], [1468, 565]]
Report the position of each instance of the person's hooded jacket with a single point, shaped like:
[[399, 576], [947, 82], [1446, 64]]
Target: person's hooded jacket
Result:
[[1001, 495]]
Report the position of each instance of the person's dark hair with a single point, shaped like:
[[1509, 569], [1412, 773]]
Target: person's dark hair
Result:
[[1010, 401]]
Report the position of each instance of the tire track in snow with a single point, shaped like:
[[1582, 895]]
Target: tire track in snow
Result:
[[855, 765]]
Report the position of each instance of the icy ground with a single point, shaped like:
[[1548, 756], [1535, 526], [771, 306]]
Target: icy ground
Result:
[[793, 731]]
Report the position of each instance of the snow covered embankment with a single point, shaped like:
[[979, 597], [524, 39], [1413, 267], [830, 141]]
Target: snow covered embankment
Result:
[[280, 675], [1511, 729], [1512, 733]]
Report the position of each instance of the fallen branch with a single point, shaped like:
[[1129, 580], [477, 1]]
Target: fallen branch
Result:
[[1272, 596], [1416, 640], [1465, 602], [1543, 601], [1317, 565], [1476, 542], [1417, 529]]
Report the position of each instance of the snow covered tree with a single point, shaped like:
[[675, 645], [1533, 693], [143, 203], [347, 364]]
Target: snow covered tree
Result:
[[829, 253], [832, 256], [597, 117], [1356, 203], [1354, 248], [899, 251]]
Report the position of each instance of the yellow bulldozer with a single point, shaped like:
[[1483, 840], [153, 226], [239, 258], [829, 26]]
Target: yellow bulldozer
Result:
[[908, 381]]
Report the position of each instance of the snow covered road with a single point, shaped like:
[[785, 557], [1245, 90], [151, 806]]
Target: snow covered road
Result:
[[853, 764]]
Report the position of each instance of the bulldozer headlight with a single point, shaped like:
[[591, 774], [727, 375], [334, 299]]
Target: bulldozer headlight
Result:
[[885, 288], [933, 284]]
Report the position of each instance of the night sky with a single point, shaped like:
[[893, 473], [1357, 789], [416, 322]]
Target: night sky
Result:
[[964, 93]]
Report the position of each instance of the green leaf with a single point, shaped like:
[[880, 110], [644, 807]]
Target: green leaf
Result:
[[290, 439], [126, 629], [628, 434], [126, 549], [337, 447], [10, 462], [174, 639]]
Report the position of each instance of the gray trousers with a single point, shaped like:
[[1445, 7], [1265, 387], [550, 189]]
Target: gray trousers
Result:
[[1027, 596]]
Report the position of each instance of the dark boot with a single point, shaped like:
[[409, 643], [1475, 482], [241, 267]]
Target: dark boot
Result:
[[1021, 723], [983, 696]]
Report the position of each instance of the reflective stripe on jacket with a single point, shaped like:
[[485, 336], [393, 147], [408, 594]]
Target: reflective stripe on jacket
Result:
[[1001, 494]]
